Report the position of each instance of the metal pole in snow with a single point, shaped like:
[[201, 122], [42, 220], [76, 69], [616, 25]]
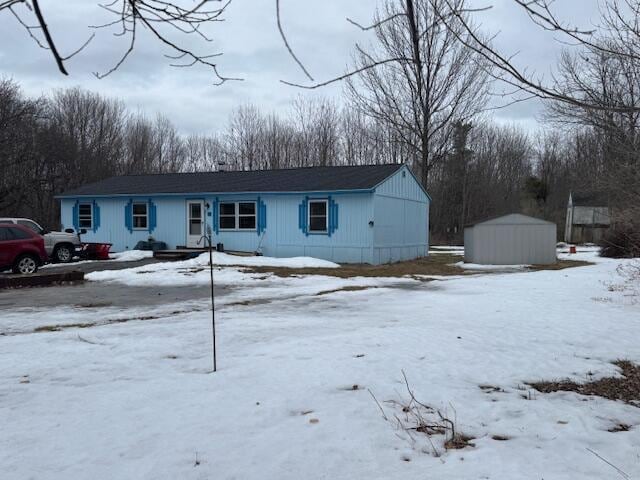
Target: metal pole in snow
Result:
[[213, 310]]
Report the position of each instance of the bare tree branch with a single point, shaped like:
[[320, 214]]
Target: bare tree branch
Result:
[[153, 15], [540, 13], [286, 43]]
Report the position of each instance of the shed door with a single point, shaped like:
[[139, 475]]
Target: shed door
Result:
[[195, 223]]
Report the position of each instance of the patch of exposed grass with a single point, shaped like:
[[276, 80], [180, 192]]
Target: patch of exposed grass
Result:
[[459, 441], [250, 303], [352, 288], [57, 328], [432, 265], [65, 326], [240, 303], [561, 265], [625, 388], [435, 264], [620, 427], [490, 389], [94, 305], [411, 416]]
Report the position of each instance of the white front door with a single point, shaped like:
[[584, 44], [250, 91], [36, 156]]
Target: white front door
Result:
[[195, 224]]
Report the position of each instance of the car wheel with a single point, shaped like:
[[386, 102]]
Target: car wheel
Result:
[[26, 264], [63, 254]]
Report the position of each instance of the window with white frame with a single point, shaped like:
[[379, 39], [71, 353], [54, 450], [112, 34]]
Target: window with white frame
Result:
[[318, 217], [237, 216], [247, 215], [85, 215], [227, 216], [140, 212]]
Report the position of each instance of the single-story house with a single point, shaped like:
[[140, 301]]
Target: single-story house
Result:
[[512, 239], [353, 214], [588, 217]]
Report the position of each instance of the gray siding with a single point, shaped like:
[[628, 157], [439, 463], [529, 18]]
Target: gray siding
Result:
[[511, 240]]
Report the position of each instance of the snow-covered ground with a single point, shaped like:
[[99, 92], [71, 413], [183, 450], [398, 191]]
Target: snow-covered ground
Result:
[[136, 399], [218, 259], [490, 268], [131, 255], [196, 272], [450, 250], [256, 261]]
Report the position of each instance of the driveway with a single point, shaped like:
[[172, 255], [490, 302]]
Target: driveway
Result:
[[95, 266], [101, 294]]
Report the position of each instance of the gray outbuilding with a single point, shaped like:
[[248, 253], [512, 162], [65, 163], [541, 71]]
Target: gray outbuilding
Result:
[[513, 239], [588, 217]]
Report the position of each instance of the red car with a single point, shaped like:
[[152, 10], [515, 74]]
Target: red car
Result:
[[21, 249]]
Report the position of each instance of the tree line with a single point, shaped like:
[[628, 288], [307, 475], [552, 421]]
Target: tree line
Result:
[[52, 144]]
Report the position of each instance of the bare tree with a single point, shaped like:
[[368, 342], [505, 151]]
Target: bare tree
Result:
[[279, 139], [606, 81], [363, 139], [89, 129], [18, 130], [245, 137], [484, 174], [168, 147], [318, 122], [434, 82], [138, 146], [204, 153]]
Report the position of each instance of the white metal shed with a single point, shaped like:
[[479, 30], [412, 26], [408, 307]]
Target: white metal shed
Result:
[[513, 239]]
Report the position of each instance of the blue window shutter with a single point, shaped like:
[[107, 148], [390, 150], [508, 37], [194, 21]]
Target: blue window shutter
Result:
[[258, 217], [302, 216], [329, 215], [76, 215], [153, 218], [128, 216], [306, 209], [96, 216], [333, 216], [261, 212], [214, 216]]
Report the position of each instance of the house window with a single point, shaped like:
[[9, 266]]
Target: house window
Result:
[[227, 216], [247, 215], [85, 215], [237, 216], [318, 216], [140, 216]]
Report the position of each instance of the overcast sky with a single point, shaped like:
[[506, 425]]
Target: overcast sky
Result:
[[252, 49]]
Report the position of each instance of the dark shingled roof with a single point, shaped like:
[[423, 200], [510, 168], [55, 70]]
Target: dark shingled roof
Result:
[[309, 179], [590, 199]]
